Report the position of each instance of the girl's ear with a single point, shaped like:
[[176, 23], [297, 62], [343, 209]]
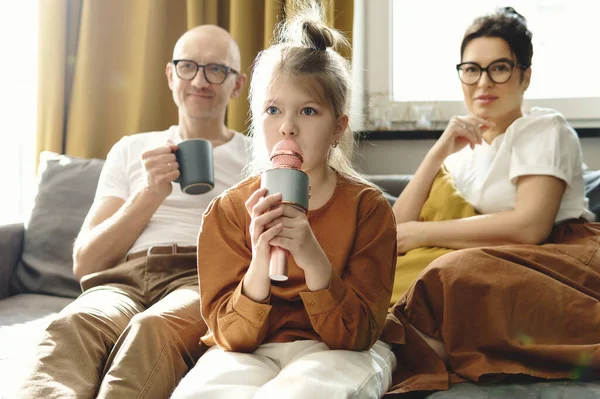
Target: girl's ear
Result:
[[340, 127]]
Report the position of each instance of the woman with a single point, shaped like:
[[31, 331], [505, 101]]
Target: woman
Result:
[[529, 302]]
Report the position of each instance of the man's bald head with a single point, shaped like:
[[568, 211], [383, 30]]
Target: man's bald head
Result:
[[210, 38], [198, 98]]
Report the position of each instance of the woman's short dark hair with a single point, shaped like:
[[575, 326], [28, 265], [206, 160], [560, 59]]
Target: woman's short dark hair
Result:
[[506, 24]]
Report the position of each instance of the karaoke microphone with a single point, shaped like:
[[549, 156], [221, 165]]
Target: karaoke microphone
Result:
[[285, 177]]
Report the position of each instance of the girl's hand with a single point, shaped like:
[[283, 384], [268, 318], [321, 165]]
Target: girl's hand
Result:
[[409, 235], [460, 132], [298, 239]]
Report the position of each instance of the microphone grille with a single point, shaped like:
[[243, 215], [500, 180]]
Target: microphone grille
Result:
[[287, 154]]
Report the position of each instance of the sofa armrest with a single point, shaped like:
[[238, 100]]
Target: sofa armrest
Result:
[[11, 245]]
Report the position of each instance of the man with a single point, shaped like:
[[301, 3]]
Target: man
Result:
[[135, 330]]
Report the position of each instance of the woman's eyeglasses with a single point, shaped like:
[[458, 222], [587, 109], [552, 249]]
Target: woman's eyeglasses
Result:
[[498, 71]]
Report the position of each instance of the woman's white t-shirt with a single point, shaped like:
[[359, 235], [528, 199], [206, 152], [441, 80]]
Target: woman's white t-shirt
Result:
[[539, 143]]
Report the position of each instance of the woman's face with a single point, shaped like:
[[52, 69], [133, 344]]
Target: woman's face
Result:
[[487, 99]]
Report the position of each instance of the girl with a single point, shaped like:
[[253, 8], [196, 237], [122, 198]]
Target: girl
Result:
[[531, 308], [316, 334]]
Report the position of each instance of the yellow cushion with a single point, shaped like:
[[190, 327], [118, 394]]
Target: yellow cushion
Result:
[[443, 203]]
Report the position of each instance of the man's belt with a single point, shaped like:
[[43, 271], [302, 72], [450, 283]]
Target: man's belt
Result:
[[163, 250]]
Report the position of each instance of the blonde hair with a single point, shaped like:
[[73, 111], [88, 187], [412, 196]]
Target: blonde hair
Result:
[[305, 45]]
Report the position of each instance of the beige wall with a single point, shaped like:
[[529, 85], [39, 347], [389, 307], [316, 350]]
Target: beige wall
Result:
[[404, 156]]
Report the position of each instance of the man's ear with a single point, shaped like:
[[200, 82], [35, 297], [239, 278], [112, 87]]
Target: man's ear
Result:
[[240, 82], [169, 73]]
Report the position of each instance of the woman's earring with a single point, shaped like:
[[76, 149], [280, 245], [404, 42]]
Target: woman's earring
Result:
[[335, 144]]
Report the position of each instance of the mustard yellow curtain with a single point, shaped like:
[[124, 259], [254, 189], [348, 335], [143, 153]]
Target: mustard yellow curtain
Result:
[[102, 63], [340, 15]]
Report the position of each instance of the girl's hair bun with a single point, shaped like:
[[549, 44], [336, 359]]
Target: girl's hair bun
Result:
[[305, 26]]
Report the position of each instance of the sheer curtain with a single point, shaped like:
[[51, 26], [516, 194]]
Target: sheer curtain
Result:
[[18, 98]]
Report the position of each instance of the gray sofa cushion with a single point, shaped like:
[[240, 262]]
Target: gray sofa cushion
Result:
[[65, 192], [529, 389], [23, 319], [391, 184]]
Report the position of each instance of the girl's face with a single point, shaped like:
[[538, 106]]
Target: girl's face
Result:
[[485, 98], [292, 109]]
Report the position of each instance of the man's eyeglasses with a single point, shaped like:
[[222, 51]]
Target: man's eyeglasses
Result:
[[498, 71], [213, 73]]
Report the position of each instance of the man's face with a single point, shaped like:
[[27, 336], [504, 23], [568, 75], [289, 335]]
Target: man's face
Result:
[[198, 98]]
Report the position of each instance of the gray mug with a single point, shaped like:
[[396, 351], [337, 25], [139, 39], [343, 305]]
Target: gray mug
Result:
[[195, 158]]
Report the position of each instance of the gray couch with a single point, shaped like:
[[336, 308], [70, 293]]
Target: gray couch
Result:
[[36, 279]]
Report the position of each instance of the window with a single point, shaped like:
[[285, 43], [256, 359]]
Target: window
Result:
[[18, 71], [413, 46]]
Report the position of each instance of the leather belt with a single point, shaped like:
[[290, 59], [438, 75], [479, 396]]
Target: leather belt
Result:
[[162, 250]]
